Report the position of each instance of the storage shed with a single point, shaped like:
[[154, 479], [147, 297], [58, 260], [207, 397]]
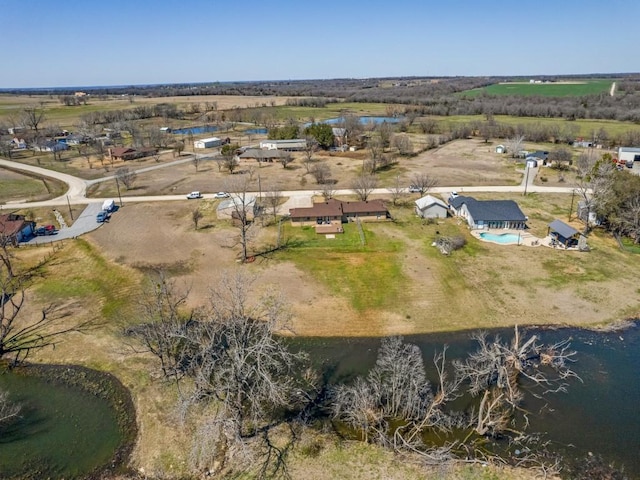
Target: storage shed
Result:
[[207, 142], [431, 207]]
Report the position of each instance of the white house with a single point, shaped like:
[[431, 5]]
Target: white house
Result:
[[295, 144], [628, 154], [431, 207], [207, 142]]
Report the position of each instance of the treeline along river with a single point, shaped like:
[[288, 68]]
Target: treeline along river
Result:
[[600, 414]]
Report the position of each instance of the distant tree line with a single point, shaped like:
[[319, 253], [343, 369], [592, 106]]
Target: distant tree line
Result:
[[432, 95]]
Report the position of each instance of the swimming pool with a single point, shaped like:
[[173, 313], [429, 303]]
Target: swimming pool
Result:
[[504, 238]]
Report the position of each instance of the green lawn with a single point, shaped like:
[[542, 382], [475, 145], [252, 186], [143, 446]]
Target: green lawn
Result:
[[589, 87], [349, 268], [630, 246]]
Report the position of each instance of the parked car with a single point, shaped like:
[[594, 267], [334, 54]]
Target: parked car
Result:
[[453, 194], [221, 195], [414, 189], [193, 195], [102, 216], [46, 230]]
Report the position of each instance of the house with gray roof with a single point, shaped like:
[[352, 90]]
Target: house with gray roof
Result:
[[431, 207], [486, 214]]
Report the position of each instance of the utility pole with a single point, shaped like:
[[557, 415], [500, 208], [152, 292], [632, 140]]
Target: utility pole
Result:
[[573, 194], [118, 187], [70, 211]]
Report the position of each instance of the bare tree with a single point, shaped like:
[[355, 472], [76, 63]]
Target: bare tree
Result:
[[19, 336], [403, 144], [272, 199], [514, 145], [376, 152], [423, 182], [126, 176], [178, 148], [627, 221], [32, 117], [237, 366], [328, 191], [495, 372], [321, 172], [196, 216], [309, 150], [285, 159], [8, 409], [397, 191], [363, 186], [244, 210]]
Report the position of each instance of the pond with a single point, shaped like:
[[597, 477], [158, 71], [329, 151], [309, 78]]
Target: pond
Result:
[[598, 415], [65, 430], [256, 131], [367, 120], [194, 130]]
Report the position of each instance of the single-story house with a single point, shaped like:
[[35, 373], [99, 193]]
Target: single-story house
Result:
[[15, 228], [208, 142], [295, 144], [260, 155], [18, 143], [501, 149], [77, 139], [129, 153], [51, 146], [539, 155], [628, 154], [338, 212], [431, 207], [563, 234], [485, 214]]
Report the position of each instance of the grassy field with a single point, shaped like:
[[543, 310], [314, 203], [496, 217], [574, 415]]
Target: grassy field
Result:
[[560, 89]]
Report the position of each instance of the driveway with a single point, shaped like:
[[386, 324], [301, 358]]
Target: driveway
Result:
[[85, 223]]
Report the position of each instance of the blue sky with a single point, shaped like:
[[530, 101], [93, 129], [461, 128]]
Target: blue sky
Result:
[[116, 42]]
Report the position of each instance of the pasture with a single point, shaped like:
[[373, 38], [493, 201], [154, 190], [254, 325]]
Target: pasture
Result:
[[552, 89]]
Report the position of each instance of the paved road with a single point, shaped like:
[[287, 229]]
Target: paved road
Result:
[[76, 194]]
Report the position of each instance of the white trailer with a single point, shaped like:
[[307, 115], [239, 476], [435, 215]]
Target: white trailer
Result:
[[108, 205]]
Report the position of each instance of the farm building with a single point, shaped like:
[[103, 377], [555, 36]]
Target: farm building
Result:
[[337, 212], [628, 154], [501, 149], [486, 214], [431, 207], [14, 228], [295, 144], [207, 142]]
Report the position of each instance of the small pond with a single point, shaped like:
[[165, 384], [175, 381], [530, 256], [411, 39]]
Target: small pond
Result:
[[598, 415], [256, 131], [194, 130], [65, 430], [367, 120]]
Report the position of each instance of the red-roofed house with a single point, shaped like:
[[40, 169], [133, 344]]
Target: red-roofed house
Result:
[[336, 212], [14, 228]]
